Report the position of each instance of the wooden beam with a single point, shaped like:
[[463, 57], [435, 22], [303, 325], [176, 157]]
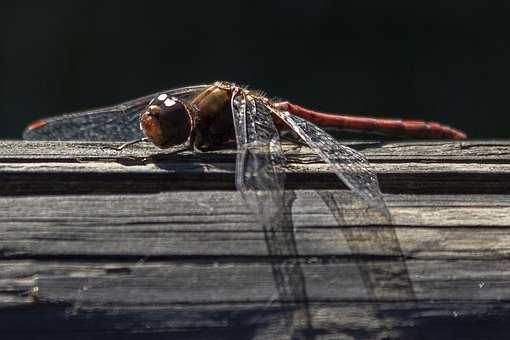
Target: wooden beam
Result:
[[84, 167], [95, 243]]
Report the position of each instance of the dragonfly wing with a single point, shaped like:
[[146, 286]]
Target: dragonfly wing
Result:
[[111, 123], [260, 180], [349, 165], [260, 155]]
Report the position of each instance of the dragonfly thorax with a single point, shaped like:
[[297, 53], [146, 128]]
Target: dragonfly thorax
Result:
[[212, 117], [166, 121]]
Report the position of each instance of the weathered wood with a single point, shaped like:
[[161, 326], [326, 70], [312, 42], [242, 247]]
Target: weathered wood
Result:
[[231, 281], [212, 223], [95, 243], [497, 151], [84, 167], [380, 321]]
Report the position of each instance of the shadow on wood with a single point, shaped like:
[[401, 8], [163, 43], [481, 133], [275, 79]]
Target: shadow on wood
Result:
[[95, 244]]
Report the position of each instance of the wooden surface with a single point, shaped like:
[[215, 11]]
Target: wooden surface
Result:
[[148, 244]]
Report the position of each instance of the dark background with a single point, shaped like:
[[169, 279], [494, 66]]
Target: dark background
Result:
[[445, 61]]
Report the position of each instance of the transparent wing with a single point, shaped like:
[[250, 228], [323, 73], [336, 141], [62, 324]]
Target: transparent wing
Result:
[[260, 180], [112, 123], [260, 155], [258, 174], [349, 165]]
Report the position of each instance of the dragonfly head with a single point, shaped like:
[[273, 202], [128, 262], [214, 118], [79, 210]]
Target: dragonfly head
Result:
[[166, 121]]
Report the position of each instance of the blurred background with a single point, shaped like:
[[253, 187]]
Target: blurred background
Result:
[[444, 61]]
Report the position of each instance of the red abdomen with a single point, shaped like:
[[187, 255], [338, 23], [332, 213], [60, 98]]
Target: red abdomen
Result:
[[397, 127]]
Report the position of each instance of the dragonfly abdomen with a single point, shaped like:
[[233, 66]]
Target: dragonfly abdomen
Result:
[[400, 127]]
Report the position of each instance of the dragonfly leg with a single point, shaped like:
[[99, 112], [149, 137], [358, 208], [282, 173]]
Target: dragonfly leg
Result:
[[125, 145]]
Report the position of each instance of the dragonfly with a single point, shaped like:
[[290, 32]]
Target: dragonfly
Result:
[[205, 117]]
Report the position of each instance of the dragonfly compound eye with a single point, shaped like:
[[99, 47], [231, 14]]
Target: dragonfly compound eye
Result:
[[166, 122]]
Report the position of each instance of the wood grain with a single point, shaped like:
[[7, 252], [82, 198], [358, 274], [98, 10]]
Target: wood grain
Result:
[[95, 243], [86, 167]]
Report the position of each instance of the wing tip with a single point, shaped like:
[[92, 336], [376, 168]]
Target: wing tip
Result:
[[36, 124], [33, 126]]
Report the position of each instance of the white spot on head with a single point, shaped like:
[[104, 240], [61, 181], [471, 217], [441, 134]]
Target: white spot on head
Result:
[[162, 96], [169, 102]]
